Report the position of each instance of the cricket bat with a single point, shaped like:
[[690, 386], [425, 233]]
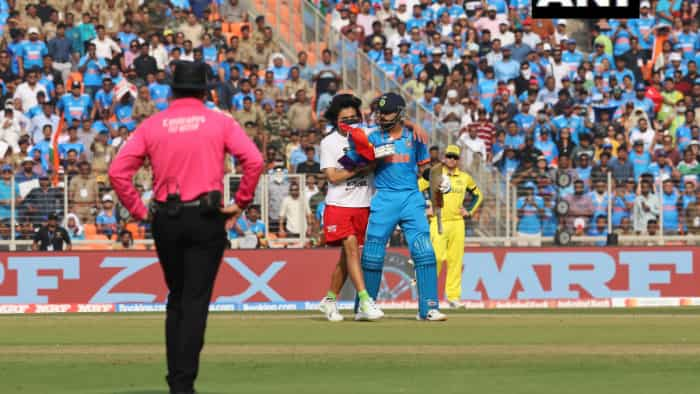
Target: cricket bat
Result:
[[436, 195]]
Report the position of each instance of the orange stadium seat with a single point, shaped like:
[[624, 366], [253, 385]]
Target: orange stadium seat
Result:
[[91, 231], [135, 230], [235, 28]]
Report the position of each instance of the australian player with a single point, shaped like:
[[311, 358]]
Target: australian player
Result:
[[449, 245], [347, 208]]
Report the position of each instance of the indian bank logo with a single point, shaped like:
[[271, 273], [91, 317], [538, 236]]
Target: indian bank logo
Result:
[[585, 9]]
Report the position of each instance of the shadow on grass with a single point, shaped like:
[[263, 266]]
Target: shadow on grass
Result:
[[158, 392]]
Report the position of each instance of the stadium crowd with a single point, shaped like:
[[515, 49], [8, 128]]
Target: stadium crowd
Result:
[[520, 96]]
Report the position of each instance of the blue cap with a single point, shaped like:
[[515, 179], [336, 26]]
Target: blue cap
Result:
[[271, 102], [404, 42], [697, 81], [571, 41], [390, 103], [7, 167], [642, 87]]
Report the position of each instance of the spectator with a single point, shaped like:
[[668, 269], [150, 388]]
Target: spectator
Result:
[[249, 231], [74, 228], [580, 205], [310, 166], [646, 207], [144, 106], [6, 193], [278, 189], [294, 214], [73, 143], [27, 91], [125, 241], [106, 220], [26, 173], [232, 12], [672, 206], [144, 63], [51, 237], [91, 65], [640, 158], [471, 144], [43, 201], [599, 229], [300, 116], [102, 152], [10, 130], [621, 167], [530, 210], [83, 193]]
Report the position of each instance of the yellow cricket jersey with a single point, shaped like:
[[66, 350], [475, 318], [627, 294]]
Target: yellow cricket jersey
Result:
[[462, 183]]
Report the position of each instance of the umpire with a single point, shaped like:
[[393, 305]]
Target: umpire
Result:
[[186, 145]]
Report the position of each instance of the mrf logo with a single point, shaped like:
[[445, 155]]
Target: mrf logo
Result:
[[585, 9], [571, 271]]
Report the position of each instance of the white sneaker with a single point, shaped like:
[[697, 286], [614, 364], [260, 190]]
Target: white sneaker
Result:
[[455, 304], [368, 311], [433, 315], [329, 307]]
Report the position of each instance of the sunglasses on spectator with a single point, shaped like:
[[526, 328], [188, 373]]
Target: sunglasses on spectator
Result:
[[453, 157]]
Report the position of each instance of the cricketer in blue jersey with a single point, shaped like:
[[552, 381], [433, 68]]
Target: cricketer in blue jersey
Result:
[[399, 156]]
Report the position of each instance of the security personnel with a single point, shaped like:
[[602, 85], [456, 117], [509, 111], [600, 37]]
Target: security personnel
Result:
[[186, 145], [449, 246]]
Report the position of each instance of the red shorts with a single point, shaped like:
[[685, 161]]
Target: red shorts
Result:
[[342, 222]]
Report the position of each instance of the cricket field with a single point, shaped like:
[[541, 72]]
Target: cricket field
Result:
[[640, 351]]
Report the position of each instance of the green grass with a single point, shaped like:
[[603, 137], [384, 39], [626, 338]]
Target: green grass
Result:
[[513, 352]]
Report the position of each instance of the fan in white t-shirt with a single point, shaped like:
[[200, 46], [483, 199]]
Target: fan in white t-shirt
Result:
[[347, 209]]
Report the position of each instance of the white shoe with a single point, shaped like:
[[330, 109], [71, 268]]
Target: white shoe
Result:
[[455, 305], [329, 307], [368, 311], [433, 315]]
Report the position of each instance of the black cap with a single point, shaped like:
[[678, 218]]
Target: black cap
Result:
[[52, 216], [390, 103], [190, 76]]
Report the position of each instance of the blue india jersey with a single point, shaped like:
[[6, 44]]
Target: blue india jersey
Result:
[[75, 107], [399, 171]]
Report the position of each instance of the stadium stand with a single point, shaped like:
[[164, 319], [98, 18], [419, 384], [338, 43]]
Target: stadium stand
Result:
[[587, 128]]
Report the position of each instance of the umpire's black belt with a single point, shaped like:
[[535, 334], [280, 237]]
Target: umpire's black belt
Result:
[[188, 204]]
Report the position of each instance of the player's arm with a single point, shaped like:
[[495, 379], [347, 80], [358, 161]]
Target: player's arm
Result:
[[477, 195]]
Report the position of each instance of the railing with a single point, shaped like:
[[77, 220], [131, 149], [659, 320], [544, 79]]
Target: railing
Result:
[[357, 71], [497, 223]]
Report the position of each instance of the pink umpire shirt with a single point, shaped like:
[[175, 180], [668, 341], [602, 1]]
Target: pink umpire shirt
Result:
[[186, 144]]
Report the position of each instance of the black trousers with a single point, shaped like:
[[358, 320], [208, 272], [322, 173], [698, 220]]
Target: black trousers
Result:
[[190, 248]]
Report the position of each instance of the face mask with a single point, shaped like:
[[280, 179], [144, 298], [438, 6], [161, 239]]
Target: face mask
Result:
[[526, 73], [351, 121]]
